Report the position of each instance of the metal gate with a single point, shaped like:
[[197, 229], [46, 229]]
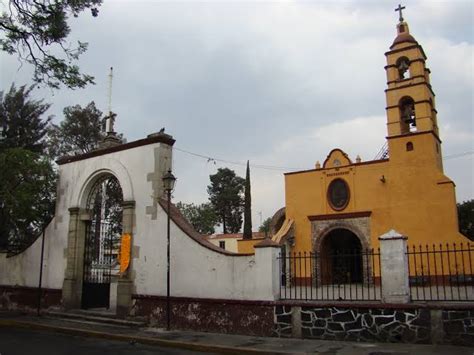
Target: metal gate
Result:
[[102, 241]]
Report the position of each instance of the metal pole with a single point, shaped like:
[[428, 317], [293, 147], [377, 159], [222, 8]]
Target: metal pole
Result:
[[168, 266], [41, 273]]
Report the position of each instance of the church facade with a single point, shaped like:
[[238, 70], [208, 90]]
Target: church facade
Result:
[[347, 205]]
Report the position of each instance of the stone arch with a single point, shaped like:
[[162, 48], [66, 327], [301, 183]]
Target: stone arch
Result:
[[103, 231], [360, 228], [78, 218], [341, 257], [341, 224], [93, 172]]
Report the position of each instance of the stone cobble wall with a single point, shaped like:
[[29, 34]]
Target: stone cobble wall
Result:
[[458, 327], [386, 325], [283, 321]]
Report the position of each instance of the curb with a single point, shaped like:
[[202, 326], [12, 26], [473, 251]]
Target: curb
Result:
[[139, 339]]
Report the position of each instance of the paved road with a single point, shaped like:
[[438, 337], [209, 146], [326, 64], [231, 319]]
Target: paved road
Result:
[[23, 341]]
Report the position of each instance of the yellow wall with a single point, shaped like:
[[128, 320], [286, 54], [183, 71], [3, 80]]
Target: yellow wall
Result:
[[416, 199], [230, 243], [247, 246]]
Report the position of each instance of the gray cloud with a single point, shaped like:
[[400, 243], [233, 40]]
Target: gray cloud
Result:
[[256, 80]]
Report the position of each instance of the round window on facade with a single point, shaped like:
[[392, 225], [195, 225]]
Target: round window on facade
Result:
[[338, 194]]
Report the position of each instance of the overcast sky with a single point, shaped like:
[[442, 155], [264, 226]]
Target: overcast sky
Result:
[[278, 83]]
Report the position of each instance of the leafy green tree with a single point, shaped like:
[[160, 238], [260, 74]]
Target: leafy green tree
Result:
[[28, 180], [265, 227], [79, 132], [21, 120], [27, 196], [247, 206], [226, 197], [36, 32], [466, 218], [202, 217]]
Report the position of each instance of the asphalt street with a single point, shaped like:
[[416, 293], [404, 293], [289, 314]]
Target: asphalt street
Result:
[[24, 341]]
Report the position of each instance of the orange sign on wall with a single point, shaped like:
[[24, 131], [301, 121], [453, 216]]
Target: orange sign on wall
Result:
[[125, 246]]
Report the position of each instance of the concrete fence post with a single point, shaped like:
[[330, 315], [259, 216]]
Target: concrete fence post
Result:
[[267, 270], [394, 268]]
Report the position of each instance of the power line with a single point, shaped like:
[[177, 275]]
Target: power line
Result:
[[458, 155], [283, 168], [259, 166]]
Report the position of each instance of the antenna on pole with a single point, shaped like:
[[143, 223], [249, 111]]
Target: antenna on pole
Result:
[[109, 126], [111, 139], [111, 76]]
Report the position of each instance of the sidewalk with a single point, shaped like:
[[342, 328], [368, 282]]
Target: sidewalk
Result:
[[220, 343]]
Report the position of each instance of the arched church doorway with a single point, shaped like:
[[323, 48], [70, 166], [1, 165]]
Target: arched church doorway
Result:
[[102, 242], [341, 257]]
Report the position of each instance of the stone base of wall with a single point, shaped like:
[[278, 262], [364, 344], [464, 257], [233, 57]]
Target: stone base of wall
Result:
[[444, 324], [209, 315], [458, 326], [385, 325], [26, 298]]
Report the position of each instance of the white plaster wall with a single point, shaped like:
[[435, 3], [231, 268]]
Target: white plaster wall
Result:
[[196, 271], [24, 269], [129, 166]]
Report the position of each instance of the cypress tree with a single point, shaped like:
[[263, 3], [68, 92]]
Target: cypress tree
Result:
[[247, 207]]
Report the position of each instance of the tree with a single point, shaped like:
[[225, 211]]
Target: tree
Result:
[[265, 227], [27, 191], [202, 217], [79, 132], [466, 218], [226, 197], [21, 122], [36, 31], [27, 196], [247, 206]]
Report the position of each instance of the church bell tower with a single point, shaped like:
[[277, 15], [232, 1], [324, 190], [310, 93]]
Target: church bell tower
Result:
[[411, 114]]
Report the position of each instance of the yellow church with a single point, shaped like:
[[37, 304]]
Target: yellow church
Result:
[[345, 204]]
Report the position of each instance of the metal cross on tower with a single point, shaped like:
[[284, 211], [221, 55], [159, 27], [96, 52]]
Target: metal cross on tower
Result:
[[399, 9]]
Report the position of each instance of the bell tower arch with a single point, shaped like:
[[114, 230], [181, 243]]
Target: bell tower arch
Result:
[[411, 111]]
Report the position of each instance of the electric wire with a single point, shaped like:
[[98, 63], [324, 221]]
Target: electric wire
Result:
[[214, 160]]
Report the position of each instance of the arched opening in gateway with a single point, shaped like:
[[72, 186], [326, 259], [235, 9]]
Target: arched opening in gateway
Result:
[[341, 258], [103, 232]]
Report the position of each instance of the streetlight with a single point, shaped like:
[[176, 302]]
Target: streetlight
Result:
[[169, 181]]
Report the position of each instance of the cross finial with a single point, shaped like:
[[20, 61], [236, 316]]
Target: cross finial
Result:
[[399, 9]]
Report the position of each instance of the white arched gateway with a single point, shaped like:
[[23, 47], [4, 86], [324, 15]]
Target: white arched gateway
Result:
[[100, 193]]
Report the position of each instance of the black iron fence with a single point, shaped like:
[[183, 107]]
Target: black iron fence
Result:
[[341, 275], [441, 272]]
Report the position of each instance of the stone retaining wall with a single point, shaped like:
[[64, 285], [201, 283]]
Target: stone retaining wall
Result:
[[458, 326], [406, 324], [386, 325]]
